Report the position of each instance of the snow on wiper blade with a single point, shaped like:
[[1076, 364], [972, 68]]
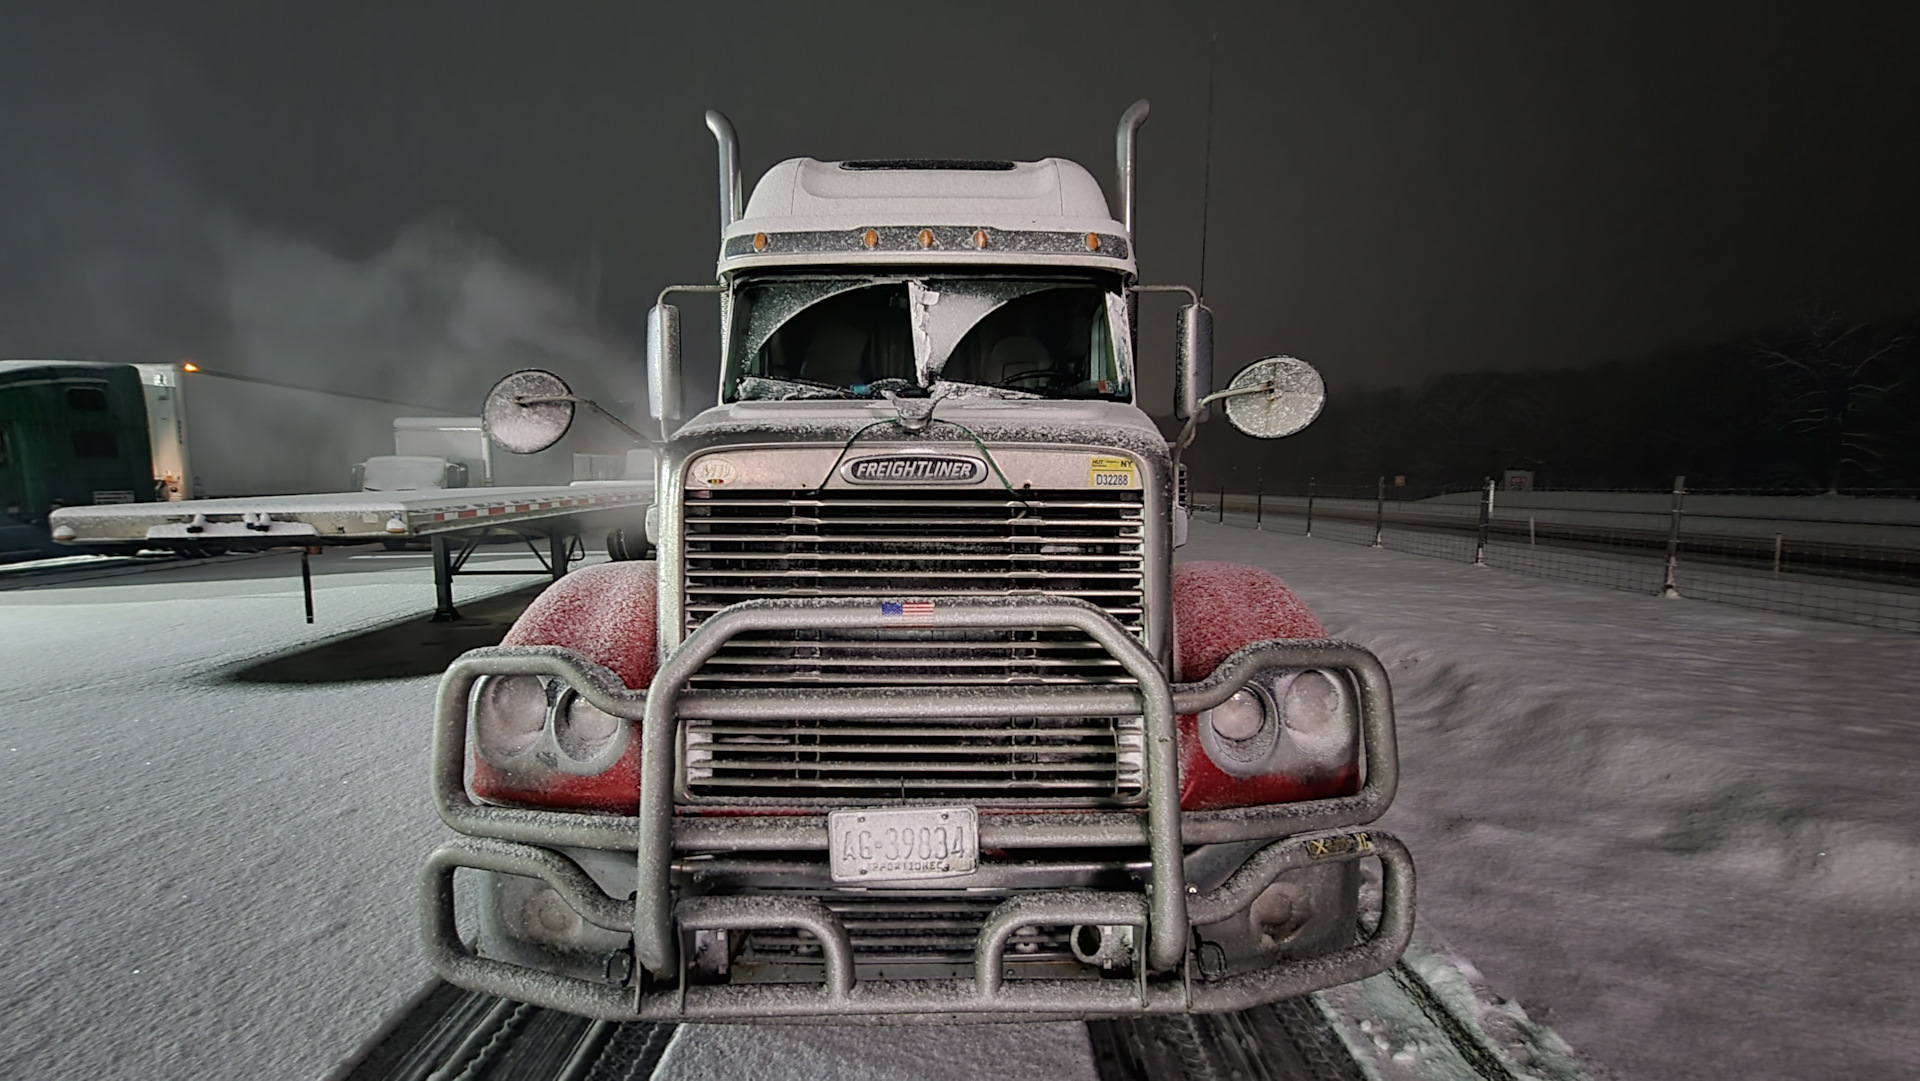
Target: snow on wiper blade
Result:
[[762, 388], [962, 389]]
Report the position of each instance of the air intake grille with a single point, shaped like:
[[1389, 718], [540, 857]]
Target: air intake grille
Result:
[[922, 545], [908, 545], [1088, 759]]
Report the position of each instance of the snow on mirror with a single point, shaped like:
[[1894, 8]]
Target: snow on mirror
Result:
[[1293, 402], [528, 411]]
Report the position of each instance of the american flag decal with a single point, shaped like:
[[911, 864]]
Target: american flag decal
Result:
[[906, 609]]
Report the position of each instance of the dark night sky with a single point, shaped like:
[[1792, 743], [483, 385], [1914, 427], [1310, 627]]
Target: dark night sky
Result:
[[1398, 189]]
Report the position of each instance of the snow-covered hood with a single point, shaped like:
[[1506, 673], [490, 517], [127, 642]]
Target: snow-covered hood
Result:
[[1083, 423]]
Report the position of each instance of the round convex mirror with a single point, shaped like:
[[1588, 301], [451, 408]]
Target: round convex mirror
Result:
[[1294, 400], [528, 411]]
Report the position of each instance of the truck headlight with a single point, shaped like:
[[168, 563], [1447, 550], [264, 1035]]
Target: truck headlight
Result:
[[591, 740], [509, 715], [1284, 721]]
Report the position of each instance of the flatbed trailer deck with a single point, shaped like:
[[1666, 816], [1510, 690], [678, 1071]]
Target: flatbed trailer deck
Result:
[[453, 520]]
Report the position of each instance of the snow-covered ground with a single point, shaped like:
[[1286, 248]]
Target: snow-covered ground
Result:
[[203, 878], [1681, 834]]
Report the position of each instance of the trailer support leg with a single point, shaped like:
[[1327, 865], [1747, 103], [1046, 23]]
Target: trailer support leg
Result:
[[443, 610], [306, 581], [559, 548]]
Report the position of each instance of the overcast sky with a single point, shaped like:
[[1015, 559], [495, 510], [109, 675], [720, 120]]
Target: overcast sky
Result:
[[1397, 189]]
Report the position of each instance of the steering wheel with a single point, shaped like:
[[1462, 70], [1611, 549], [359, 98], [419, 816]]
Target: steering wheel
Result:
[[1048, 378]]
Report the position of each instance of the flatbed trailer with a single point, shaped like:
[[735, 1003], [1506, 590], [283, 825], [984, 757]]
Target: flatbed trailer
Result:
[[454, 521]]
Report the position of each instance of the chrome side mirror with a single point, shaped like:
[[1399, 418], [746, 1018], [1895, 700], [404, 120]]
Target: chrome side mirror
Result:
[[1192, 360], [1274, 397], [663, 364], [528, 411]]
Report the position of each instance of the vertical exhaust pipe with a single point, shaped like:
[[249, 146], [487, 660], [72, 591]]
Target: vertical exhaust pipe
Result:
[[732, 198], [1130, 122]]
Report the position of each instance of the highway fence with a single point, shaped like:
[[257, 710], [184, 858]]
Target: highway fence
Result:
[[1850, 556]]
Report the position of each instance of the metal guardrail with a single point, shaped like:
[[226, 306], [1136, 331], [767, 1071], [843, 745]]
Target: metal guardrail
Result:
[[1854, 562]]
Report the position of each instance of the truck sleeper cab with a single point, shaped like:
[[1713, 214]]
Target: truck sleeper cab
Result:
[[915, 718]]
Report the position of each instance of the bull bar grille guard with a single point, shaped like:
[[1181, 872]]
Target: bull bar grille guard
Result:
[[512, 840]]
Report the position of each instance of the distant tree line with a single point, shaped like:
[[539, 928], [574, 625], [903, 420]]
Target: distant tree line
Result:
[[1823, 404]]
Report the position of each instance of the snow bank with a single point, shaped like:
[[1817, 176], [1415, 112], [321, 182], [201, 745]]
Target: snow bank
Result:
[[1681, 833]]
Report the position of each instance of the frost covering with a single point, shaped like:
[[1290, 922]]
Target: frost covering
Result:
[[605, 612], [1219, 607]]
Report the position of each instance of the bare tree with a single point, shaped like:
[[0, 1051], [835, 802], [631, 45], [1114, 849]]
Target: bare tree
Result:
[[1832, 372]]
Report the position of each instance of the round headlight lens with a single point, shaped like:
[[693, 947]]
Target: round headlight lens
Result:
[[1315, 712], [509, 713], [590, 737], [1239, 718], [1240, 734]]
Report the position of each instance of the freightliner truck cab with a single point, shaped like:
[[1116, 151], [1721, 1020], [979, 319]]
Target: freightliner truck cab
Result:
[[915, 716]]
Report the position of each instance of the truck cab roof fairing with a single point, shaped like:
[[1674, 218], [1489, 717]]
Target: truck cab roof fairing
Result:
[[1047, 212]]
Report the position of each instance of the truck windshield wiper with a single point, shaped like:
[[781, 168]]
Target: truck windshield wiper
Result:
[[770, 388]]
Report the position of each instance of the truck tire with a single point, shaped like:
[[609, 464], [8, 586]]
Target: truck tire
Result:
[[622, 546]]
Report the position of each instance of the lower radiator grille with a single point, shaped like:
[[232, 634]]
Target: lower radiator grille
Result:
[[1090, 760]]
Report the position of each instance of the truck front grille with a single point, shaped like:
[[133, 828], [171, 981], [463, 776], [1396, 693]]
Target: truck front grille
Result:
[[1087, 759], [902, 545], [913, 544]]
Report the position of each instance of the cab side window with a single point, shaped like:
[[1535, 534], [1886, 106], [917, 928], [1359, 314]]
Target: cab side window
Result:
[[86, 399]]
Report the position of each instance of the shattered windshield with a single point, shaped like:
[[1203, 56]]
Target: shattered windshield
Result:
[[861, 337]]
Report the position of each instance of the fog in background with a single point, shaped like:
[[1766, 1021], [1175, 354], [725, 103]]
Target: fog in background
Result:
[[118, 249], [1394, 192]]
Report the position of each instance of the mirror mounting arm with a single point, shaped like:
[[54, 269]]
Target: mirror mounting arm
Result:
[[598, 408], [1193, 422], [672, 289], [1192, 297]]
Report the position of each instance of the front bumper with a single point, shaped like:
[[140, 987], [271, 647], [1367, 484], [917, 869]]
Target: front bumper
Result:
[[520, 842]]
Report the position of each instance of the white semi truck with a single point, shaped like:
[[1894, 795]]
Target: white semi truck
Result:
[[916, 716]]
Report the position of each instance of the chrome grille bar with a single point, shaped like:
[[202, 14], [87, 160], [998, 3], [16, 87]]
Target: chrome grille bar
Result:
[[1095, 758], [924, 545]]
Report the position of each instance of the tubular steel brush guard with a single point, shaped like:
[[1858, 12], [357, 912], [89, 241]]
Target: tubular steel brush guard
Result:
[[513, 839]]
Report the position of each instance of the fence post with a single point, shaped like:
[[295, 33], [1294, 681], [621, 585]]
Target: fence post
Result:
[[1259, 501], [1671, 588], [1309, 506], [1223, 503], [1486, 515], [1779, 540], [1379, 513]]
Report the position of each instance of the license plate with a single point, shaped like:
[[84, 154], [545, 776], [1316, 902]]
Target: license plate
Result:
[[891, 844]]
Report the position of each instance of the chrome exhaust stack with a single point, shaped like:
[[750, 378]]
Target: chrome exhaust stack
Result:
[[1130, 122], [732, 194]]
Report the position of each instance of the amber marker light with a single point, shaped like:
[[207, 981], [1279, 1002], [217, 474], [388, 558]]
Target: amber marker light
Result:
[[759, 242], [979, 238], [1093, 242], [926, 238], [189, 366], [870, 238]]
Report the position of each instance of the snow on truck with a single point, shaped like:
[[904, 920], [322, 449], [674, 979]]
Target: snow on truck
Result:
[[915, 716]]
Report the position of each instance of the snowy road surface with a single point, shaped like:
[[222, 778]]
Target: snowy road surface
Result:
[[1680, 833]]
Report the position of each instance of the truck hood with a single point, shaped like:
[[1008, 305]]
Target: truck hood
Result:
[[1085, 423]]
